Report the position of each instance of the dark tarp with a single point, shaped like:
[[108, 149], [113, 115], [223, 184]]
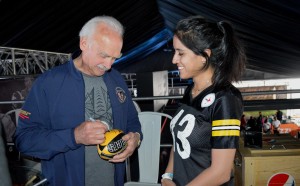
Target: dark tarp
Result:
[[269, 29]]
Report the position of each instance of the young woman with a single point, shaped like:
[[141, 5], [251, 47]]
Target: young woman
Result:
[[206, 127]]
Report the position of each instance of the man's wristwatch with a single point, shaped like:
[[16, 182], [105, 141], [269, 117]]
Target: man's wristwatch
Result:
[[167, 175]]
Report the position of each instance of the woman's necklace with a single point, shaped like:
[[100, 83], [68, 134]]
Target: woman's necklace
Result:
[[197, 91]]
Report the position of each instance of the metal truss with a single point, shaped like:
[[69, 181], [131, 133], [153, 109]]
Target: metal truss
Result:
[[16, 61]]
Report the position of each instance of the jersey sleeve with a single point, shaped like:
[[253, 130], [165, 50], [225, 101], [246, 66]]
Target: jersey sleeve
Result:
[[226, 122]]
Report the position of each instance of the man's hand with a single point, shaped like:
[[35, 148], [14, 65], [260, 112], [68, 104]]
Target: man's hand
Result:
[[132, 143], [90, 133]]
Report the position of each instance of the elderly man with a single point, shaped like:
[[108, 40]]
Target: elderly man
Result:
[[70, 107]]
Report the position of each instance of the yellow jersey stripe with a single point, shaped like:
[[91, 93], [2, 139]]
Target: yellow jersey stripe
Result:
[[226, 122], [226, 133]]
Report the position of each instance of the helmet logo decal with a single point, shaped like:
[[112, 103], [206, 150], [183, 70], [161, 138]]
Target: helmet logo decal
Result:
[[208, 100]]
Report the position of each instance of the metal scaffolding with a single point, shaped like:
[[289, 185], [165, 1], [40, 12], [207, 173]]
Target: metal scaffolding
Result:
[[16, 61]]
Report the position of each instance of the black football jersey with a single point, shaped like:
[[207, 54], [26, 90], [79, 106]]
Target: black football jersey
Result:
[[209, 121]]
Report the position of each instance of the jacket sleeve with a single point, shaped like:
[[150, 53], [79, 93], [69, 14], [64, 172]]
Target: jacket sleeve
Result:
[[35, 135]]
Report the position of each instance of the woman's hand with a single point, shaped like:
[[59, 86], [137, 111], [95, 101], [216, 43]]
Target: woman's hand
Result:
[[167, 182]]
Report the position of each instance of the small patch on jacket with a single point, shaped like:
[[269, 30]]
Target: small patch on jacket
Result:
[[24, 114], [121, 94]]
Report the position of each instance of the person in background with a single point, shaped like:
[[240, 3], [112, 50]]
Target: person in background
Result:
[[289, 119], [279, 115], [251, 123], [271, 118], [206, 126], [5, 179], [20, 95], [70, 107], [276, 124], [259, 120], [243, 123], [266, 126]]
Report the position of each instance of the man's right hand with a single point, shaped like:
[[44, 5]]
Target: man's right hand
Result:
[[90, 133]]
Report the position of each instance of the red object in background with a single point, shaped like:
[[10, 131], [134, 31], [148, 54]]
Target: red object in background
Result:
[[291, 128]]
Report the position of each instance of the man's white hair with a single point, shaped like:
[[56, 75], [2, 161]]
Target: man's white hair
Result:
[[89, 27]]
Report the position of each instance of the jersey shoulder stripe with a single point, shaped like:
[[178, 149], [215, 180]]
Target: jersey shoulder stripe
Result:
[[225, 122], [226, 127]]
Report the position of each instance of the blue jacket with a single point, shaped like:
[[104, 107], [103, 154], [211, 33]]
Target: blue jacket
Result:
[[53, 108]]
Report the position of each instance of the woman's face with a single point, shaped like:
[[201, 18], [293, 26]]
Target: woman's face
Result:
[[188, 63]]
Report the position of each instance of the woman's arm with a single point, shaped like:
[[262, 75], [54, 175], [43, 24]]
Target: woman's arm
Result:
[[220, 170], [169, 169]]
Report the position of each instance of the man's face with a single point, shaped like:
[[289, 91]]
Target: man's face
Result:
[[100, 50]]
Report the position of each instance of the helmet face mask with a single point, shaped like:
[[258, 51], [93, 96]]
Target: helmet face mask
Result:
[[113, 144]]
